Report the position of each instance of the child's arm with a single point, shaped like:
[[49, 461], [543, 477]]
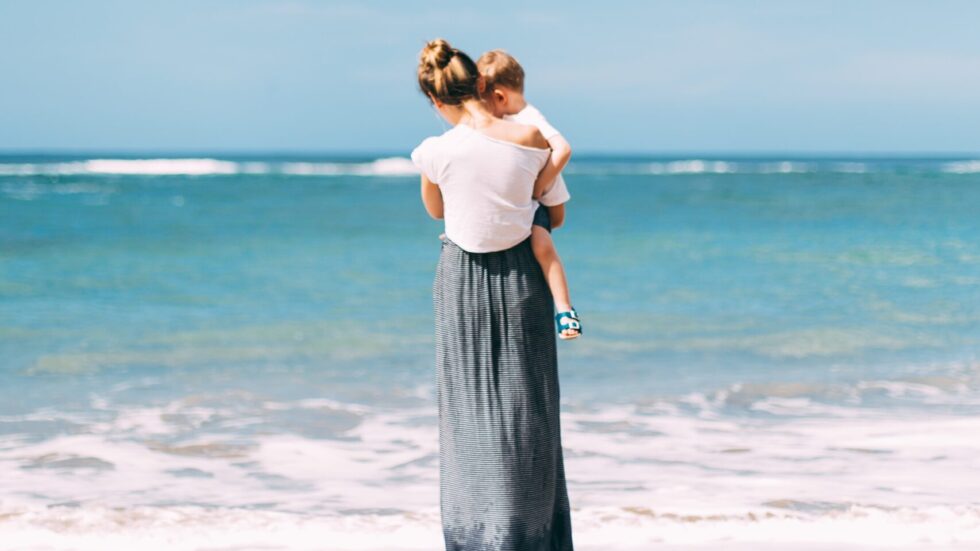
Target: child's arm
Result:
[[561, 152], [432, 198]]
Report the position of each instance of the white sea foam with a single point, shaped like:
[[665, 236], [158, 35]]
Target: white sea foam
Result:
[[124, 166], [707, 166], [962, 167], [392, 166], [784, 167], [159, 166], [623, 528], [692, 166], [809, 473]]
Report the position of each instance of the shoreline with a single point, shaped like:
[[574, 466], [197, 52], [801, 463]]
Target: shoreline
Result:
[[597, 528]]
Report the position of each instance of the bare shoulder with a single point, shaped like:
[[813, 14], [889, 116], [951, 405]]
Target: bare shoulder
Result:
[[534, 138], [521, 134]]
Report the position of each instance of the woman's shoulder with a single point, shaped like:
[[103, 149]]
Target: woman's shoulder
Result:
[[430, 154], [520, 134], [433, 143], [439, 141], [439, 137]]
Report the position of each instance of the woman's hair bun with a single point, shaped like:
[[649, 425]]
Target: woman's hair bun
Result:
[[446, 74], [437, 53]]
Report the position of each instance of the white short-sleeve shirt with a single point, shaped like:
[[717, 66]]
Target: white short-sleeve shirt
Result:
[[486, 186], [557, 194]]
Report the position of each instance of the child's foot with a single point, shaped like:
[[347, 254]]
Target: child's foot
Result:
[[569, 326]]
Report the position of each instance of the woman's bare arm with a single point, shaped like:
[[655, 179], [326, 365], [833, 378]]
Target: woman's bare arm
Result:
[[432, 198]]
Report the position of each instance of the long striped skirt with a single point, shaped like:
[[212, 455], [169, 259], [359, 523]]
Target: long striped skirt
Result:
[[502, 477]]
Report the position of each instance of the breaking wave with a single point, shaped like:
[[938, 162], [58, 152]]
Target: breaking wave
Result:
[[962, 167], [393, 166]]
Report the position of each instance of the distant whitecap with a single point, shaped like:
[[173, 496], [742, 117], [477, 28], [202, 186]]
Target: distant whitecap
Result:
[[962, 167]]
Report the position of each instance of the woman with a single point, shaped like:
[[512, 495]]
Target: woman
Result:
[[502, 478]]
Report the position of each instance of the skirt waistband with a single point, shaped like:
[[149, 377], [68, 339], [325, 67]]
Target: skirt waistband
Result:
[[526, 242]]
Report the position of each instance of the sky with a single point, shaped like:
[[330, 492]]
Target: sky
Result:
[[653, 77]]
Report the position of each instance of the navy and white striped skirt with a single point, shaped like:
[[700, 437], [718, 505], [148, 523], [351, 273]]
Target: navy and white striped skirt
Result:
[[501, 471]]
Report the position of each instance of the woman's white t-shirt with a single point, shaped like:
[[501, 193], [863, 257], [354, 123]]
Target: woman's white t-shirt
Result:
[[486, 186]]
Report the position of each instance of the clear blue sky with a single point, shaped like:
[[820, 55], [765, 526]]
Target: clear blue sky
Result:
[[661, 77]]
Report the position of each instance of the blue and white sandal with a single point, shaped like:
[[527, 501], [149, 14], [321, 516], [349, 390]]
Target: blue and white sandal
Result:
[[568, 320]]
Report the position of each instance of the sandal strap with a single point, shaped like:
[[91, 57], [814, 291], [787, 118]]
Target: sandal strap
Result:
[[567, 314], [568, 320]]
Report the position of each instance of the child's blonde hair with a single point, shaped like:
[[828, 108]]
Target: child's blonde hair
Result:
[[500, 68]]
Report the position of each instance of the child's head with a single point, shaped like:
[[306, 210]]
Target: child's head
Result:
[[504, 93]]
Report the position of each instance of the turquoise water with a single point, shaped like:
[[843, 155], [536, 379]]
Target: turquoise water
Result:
[[190, 312], [688, 281]]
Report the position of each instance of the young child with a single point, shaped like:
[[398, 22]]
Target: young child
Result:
[[505, 97]]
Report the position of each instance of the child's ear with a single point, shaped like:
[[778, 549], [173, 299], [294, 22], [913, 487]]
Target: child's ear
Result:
[[499, 96]]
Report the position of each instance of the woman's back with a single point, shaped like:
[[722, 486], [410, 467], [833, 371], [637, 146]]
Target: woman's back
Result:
[[486, 181]]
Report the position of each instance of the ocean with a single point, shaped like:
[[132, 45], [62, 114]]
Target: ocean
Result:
[[236, 352]]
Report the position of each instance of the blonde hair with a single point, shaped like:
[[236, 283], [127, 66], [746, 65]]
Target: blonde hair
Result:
[[446, 73], [501, 69]]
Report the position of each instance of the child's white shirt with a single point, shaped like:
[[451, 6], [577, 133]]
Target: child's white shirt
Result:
[[558, 193]]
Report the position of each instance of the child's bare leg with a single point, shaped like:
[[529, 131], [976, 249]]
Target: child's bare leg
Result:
[[554, 273]]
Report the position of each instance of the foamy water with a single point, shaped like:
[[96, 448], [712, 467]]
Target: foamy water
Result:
[[394, 166], [687, 471]]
